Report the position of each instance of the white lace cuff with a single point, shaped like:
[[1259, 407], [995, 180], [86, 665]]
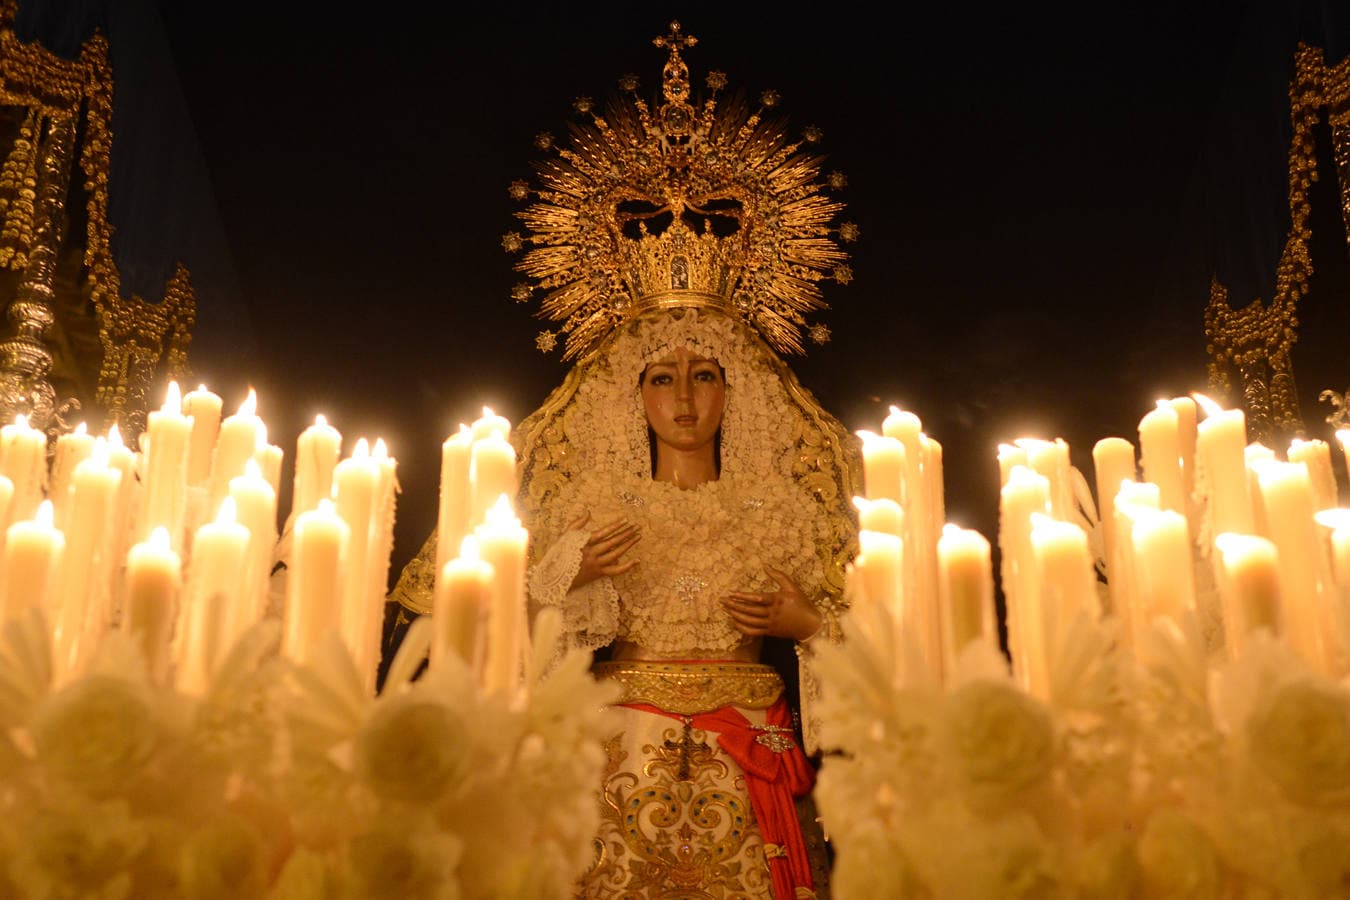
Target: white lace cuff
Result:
[[590, 614]]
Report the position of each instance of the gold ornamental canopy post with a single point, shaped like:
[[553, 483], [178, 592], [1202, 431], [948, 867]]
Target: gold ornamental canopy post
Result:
[[72, 342]]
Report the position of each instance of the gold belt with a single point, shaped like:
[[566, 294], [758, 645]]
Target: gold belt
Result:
[[690, 688]]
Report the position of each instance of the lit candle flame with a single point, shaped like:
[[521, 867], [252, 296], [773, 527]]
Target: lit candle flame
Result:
[[115, 436], [21, 421], [252, 470], [468, 548], [99, 454], [173, 399], [159, 538], [320, 421], [46, 515], [250, 405], [81, 429], [229, 513], [501, 514], [1209, 406], [361, 450], [380, 452], [1337, 518]]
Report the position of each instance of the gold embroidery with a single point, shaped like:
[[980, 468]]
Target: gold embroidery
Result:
[[775, 737], [677, 826], [691, 688]]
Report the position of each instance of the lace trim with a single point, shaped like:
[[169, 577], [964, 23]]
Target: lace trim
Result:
[[591, 612]]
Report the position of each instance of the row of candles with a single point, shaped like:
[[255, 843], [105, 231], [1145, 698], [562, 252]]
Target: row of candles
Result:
[[178, 542], [1195, 509]]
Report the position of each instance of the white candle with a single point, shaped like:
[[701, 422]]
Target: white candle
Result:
[[883, 515], [501, 542], [491, 425], [1221, 443], [316, 455], [1254, 455], [70, 449], [204, 407], [1068, 580], [153, 578], [377, 562], [255, 504], [1134, 498], [462, 601], [6, 508], [1113, 463], [235, 445], [1164, 572], [966, 588], [83, 605], [23, 460], [879, 567], [1051, 459], [1343, 437], [1316, 455], [355, 483], [1067, 587], [314, 585], [492, 472], [268, 458], [1009, 455], [1250, 587], [883, 467], [1025, 493], [1337, 521], [452, 521], [1187, 437], [167, 436], [1286, 493], [211, 599], [1160, 455], [32, 555]]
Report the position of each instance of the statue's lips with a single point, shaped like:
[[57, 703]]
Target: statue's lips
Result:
[[686, 420]]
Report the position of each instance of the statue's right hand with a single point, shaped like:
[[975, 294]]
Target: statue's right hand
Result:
[[603, 553]]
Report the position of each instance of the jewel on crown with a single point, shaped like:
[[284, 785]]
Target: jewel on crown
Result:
[[710, 205]]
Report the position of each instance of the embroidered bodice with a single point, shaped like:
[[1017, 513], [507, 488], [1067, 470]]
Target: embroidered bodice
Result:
[[697, 546]]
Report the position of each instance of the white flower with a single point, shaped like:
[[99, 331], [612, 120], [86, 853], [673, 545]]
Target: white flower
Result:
[[1177, 859], [1107, 869], [411, 750], [1322, 858], [80, 853], [871, 863], [400, 861], [223, 859], [1005, 857], [1003, 740], [306, 876], [95, 734], [1300, 736]]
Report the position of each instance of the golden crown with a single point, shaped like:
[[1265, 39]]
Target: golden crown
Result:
[[711, 205]]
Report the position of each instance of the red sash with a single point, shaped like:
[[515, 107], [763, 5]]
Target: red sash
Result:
[[776, 770]]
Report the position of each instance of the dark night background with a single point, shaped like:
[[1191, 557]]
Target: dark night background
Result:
[[1044, 193]]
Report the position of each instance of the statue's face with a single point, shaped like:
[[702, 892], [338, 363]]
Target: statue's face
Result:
[[684, 396]]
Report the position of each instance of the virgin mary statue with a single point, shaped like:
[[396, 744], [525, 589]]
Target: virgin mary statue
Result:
[[688, 501]]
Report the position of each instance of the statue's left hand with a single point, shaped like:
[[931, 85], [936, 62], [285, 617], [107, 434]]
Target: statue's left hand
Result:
[[782, 613]]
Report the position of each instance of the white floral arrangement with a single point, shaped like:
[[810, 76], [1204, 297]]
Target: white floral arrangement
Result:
[[290, 782], [1170, 777]]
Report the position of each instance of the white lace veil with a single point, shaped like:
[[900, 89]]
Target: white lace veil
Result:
[[772, 428]]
